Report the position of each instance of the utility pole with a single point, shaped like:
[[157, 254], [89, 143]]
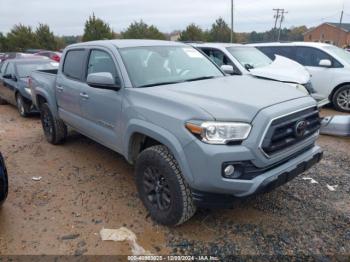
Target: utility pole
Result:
[[232, 17], [281, 20], [276, 16], [339, 27]]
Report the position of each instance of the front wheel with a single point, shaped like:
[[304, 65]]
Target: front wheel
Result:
[[22, 105], [162, 188], [54, 129], [341, 99], [3, 181]]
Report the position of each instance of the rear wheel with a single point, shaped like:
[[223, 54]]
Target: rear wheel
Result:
[[23, 106], [2, 101], [54, 129], [3, 181], [341, 99], [162, 188]]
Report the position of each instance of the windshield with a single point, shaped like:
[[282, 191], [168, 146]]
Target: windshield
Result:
[[157, 65], [249, 57], [25, 69], [341, 53]]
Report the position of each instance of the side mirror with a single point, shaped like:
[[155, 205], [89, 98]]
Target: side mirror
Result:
[[325, 63], [228, 69], [103, 80]]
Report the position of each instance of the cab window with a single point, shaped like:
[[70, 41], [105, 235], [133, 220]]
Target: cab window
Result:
[[74, 64]]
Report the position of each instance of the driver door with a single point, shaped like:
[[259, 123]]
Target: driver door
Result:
[[101, 108]]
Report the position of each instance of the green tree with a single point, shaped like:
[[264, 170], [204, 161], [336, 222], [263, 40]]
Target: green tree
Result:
[[3, 43], [96, 29], [140, 30], [21, 38], [46, 39], [220, 32], [193, 33]]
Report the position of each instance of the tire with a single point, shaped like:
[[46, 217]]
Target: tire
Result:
[[54, 129], [3, 181], [341, 99], [162, 188], [23, 106], [2, 101]]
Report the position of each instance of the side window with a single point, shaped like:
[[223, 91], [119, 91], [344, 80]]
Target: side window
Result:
[[2, 67], [217, 57], [268, 50], [101, 61], [10, 70], [309, 56], [74, 64], [286, 51]]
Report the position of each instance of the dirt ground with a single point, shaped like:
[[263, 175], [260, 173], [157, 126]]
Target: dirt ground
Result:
[[86, 187]]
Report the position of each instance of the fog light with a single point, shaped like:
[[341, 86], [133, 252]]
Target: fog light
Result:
[[229, 170]]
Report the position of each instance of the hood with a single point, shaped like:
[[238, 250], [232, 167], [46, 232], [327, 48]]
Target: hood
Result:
[[284, 70], [232, 98]]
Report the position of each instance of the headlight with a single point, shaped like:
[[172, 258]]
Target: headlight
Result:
[[302, 89], [219, 132]]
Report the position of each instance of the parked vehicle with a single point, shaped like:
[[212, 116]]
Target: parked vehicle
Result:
[[196, 137], [56, 56], [3, 180], [329, 66], [14, 82], [236, 59]]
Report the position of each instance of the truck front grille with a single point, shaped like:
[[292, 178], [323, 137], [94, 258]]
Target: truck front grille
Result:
[[290, 130]]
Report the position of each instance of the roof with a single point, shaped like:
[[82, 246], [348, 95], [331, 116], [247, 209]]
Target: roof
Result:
[[344, 26], [124, 43], [217, 45], [314, 44]]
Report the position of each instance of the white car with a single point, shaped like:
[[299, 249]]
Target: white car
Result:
[[329, 67], [237, 59]]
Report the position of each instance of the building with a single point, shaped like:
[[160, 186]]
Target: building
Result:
[[330, 33]]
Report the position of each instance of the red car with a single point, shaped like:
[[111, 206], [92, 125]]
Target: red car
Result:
[[56, 56]]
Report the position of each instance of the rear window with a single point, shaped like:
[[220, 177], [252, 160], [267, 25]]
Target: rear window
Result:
[[74, 64]]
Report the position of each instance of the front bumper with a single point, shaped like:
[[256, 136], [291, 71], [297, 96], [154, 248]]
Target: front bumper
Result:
[[264, 184]]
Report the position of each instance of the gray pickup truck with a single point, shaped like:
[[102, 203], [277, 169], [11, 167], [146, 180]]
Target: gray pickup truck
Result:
[[196, 136]]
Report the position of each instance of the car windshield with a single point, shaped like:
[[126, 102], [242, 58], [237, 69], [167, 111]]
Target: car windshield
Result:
[[160, 65], [25, 69], [249, 57], [341, 53]]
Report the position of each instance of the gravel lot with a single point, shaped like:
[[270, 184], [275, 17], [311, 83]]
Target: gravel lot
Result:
[[86, 187]]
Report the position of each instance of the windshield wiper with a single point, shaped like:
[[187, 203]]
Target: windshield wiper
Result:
[[200, 78], [160, 84]]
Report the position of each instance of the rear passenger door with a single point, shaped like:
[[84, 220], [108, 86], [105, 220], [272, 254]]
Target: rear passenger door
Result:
[[101, 108], [69, 84]]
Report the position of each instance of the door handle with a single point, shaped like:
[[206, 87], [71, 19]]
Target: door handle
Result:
[[84, 95], [59, 88]]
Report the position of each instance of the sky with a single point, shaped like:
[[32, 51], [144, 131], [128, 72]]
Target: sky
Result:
[[67, 17]]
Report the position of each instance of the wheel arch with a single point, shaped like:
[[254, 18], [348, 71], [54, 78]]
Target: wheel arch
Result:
[[141, 135], [335, 89]]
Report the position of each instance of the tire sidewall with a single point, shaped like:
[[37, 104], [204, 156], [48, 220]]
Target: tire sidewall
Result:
[[335, 98], [3, 181], [173, 215], [45, 110]]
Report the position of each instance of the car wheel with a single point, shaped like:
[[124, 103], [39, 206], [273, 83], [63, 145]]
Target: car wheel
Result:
[[3, 181], [162, 188], [54, 129], [22, 106], [341, 99], [2, 101]]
